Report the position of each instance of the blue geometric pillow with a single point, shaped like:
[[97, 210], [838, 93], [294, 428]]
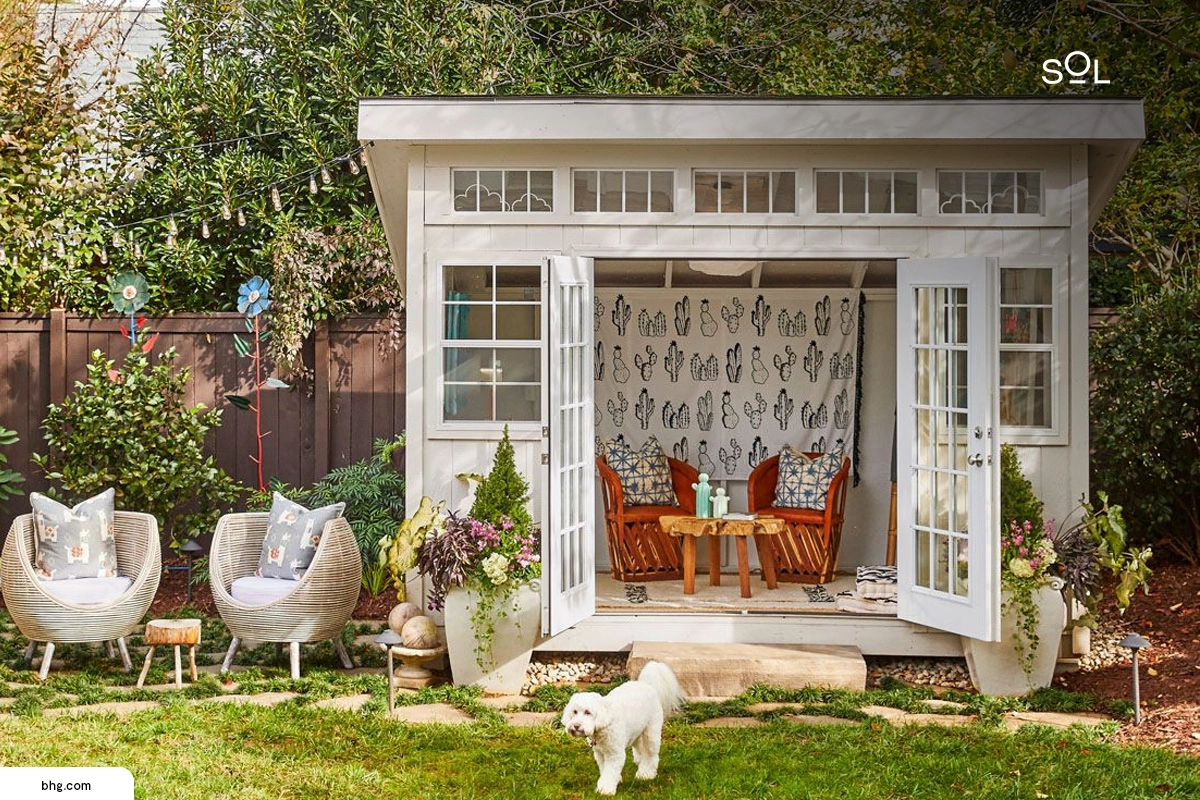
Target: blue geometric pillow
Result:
[[804, 482], [645, 475]]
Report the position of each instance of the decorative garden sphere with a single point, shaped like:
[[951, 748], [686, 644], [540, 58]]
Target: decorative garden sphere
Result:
[[401, 614], [420, 634]]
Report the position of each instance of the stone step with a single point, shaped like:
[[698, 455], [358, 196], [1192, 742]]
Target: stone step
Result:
[[726, 670]]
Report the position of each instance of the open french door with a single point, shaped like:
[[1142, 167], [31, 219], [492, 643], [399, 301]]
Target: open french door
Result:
[[569, 534], [947, 513]]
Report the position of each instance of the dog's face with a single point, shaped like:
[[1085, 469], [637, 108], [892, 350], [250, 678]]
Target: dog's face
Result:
[[585, 714]]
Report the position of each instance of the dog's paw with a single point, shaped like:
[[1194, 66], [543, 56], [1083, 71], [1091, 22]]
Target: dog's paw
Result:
[[605, 789], [644, 774]]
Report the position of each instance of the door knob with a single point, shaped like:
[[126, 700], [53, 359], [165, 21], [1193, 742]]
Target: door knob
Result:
[[975, 459]]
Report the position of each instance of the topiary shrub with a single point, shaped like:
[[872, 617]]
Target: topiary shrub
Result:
[[131, 429], [503, 493], [1146, 418], [1017, 500]]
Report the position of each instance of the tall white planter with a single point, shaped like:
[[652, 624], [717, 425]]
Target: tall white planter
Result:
[[516, 633], [995, 667]]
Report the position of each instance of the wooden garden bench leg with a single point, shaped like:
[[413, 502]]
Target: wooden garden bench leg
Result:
[[192, 661], [109, 651], [743, 558], [689, 565], [30, 651], [766, 554], [714, 561], [145, 667]]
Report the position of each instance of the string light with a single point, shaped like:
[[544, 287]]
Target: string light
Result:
[[276, 202], [172, 228], [3, 255], [326, 178], [137, 250], [363, 156], [241, 218], [60, 249], [116, 240], [204, 229], [103, 255], [171, 240], [312, 184], [354, 168], [225, 212]]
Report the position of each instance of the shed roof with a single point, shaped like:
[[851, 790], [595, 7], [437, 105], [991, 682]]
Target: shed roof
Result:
[[1111, 127]]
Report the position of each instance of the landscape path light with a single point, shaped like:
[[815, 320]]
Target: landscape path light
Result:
[[1135, 643]]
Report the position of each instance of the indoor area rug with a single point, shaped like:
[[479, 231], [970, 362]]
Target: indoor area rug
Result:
[[668, 596]]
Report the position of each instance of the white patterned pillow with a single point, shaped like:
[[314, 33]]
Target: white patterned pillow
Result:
[[74, 542], [293, 533], [804, 482], [645, 475]]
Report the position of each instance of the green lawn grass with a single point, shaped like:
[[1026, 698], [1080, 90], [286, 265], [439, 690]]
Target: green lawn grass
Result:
[[289, 751]]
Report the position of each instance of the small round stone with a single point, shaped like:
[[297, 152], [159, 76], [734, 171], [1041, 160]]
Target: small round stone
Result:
[[401, 614]]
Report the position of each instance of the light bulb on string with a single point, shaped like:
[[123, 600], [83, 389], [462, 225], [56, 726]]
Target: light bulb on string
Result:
[[312, 184], [60, 249], [103, 255], [172, 227], [226, 213], [137, 250], [204, 231], [241, 218], [326, 178], [353, 163], [363, 156], [116, 240], [3, 255], [276, 202], [171, 240]]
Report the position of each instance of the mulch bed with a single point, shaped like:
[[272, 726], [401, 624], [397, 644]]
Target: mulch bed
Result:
[[1169, 617]]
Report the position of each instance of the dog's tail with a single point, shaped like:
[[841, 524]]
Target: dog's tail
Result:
[[665, 685]]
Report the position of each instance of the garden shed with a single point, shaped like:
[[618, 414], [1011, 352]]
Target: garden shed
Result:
[[905, 278]]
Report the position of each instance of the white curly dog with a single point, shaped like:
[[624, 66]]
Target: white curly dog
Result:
[[629, 716]]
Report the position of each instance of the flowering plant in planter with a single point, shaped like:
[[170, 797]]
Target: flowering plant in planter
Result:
[[1027, 560], [491, 559]]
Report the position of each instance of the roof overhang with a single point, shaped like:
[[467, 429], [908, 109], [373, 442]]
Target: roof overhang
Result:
[[1111, 128]]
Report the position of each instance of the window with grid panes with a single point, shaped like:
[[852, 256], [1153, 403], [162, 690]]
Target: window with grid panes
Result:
[[530, 190], [491, 343], [991, 192], [1027, 347], [623, 191], [744, 191], [865, 192]]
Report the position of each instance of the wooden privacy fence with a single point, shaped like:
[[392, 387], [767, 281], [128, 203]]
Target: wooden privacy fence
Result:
[[355, 393]]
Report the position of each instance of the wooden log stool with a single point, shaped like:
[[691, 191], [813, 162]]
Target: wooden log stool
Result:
[[174, 632], [763, 529]]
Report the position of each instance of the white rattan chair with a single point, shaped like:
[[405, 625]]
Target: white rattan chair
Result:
[[318, 608], [42, 617]]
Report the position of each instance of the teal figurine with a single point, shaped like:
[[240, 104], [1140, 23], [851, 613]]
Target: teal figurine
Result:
[[703, 496]]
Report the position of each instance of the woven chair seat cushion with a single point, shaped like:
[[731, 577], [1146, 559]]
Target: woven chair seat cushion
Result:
[[255, 591], [805, 516], [88, 591]]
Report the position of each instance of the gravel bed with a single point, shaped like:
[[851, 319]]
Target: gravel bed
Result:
[[950, 673], [1106, 647]]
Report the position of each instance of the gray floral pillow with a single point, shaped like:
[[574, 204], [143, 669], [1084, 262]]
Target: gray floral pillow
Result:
[[74, 542], [293, 533]]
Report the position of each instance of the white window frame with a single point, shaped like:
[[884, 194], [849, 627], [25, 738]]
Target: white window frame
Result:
[[987, 212], [435, 374], [841, 173], [624, 172], [1056, 432], [770, 172], [504, 201]]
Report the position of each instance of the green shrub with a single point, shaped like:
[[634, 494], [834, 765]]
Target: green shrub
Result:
[[131, 429], [503, 493], [373, 491], [1017, 500], [9, 478], [1146, 417]]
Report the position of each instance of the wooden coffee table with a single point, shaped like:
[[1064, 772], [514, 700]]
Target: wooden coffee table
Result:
[[692, 528]]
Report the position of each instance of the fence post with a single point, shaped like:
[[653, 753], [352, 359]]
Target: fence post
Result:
[[58, 355], [321, 391]]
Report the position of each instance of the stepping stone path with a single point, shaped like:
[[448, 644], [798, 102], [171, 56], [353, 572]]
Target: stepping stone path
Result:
[[118, 708], [531, 719], [263, 699], [442, 713], [353, 702]]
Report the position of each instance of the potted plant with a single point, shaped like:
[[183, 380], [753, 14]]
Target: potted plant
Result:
[[482, 571], [1032, 610]]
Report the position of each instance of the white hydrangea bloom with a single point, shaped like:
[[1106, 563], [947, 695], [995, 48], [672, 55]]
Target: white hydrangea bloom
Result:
[[495, 567]]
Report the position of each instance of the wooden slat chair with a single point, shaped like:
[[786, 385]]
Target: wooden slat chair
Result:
[[808, 552], [638, 548]]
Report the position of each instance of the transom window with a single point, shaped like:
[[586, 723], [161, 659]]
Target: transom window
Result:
[[995, 192], [744, 192], [866, 192], [1027, 347], [503, 189], [624, 190], [491, 343]]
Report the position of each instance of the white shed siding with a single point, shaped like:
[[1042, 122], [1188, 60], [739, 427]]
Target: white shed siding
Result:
[[1059, 472]]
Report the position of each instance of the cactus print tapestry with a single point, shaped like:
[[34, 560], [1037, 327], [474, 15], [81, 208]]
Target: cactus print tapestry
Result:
[[726, 379]]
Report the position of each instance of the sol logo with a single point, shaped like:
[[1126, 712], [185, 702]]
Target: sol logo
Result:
[[1078, 64]]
